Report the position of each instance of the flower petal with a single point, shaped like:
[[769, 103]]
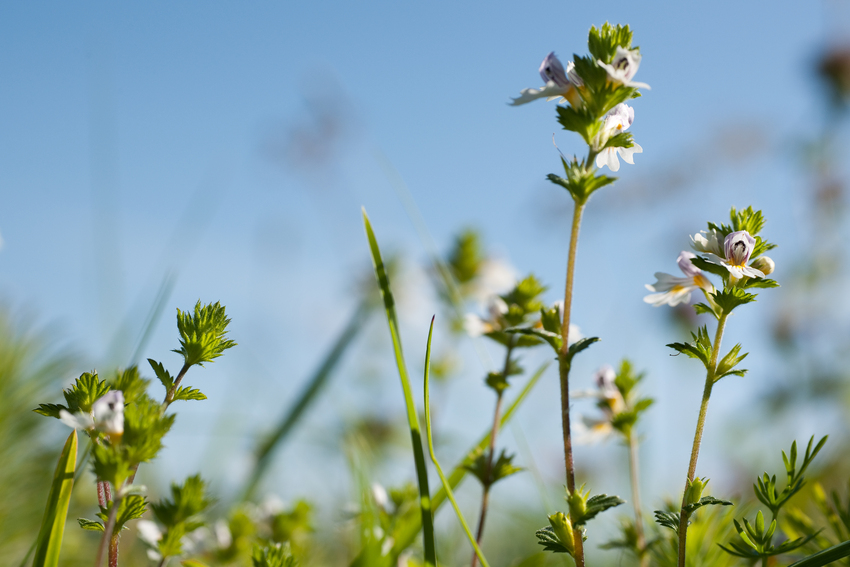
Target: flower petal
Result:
[[549, 90]]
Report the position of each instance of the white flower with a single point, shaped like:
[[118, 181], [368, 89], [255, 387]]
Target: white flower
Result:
[[672, 290], [708, 244], [223, 537], [494, 277], [560, 83], [475, 326], [379, 494], [587, 431], [623, 67], [107, 415], [617, 120], [737, 249]]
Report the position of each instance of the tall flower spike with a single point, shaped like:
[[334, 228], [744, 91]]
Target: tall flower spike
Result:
[[623, 68], [560, 83], [617, 120], [672, 290]]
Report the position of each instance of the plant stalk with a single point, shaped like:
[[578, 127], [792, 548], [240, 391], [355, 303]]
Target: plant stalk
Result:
[[169, 396], [107, 540], [564, 367], [709, 383], [494, 431], [634, 474]]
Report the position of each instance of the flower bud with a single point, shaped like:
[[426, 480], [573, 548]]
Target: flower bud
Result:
[[578, 504], [695, 489], [764, 264], [563, 530]]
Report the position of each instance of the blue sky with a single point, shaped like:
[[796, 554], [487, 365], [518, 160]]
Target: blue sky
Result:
[[137, 141]]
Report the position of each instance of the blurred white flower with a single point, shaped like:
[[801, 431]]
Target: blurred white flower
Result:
[[107, 415], [379, 494], [494, 277], [223, 537], [560, 83], [671, 290], [475, 326], [617, 120], [587, 431], [623, 68]]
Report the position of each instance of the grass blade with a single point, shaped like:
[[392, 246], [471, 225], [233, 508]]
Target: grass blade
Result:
[[49, 541], [825, 556], [412, 417], [410, 526], [443, 479], [277, 437]]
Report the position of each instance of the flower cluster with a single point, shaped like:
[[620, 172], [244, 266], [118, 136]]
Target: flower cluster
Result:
[[733, 252]]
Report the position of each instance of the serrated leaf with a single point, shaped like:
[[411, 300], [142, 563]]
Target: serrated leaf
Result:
[[161, 373], [702, 308], [550, 542], [90, 525], [50, 410], [730, 361], [580, 345], [203, 333], [595, 505], [187, 393], [668, 520], [706, 501], [760, 283], [734, 297], [553, 339], [710, 267]]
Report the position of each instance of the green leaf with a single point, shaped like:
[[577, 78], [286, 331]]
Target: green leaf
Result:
[[187, 501], [729, 299], [580, 345], [132, 507], [728, 362], [825, 556], [192, 563], [760, 283], [603, 42], [187, 393], [501, 468], [161, 373], [701, 308], [412, 417], [85, 391], [550, 542], [706, 501], [554, 339], [443, 478], [90, 525], [49, 542], [130, 383], [596, 504], [275, 555], [710, 267], [668, 520], [203, 333], [621, 140], [699, 349]]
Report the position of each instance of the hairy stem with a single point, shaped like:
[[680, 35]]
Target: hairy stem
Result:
[[169, 396], [634, 473], [709, 383], [113, 549], [494, 431], [106, 540], [564, 367]]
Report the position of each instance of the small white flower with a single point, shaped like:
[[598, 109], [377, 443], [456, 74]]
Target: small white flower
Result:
[[379, 494], [108, 413], [149, 532], [79, 420], [617, 120], [475, 326], [707, 244], [623, 68], [737, 249], [223, 537], [560, 83], [494, 277], [587, 431], [672, 290]]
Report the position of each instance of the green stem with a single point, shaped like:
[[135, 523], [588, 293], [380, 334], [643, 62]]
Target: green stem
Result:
[[169, 396], [709, 383], [106, 540], [446, 485], [564, 368], [634, 474], [494, 431]]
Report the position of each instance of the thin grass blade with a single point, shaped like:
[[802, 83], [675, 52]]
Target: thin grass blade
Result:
[[49, 541], [825, 556], [412, 417], [443, 478], [309, 395], [410, 526]]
